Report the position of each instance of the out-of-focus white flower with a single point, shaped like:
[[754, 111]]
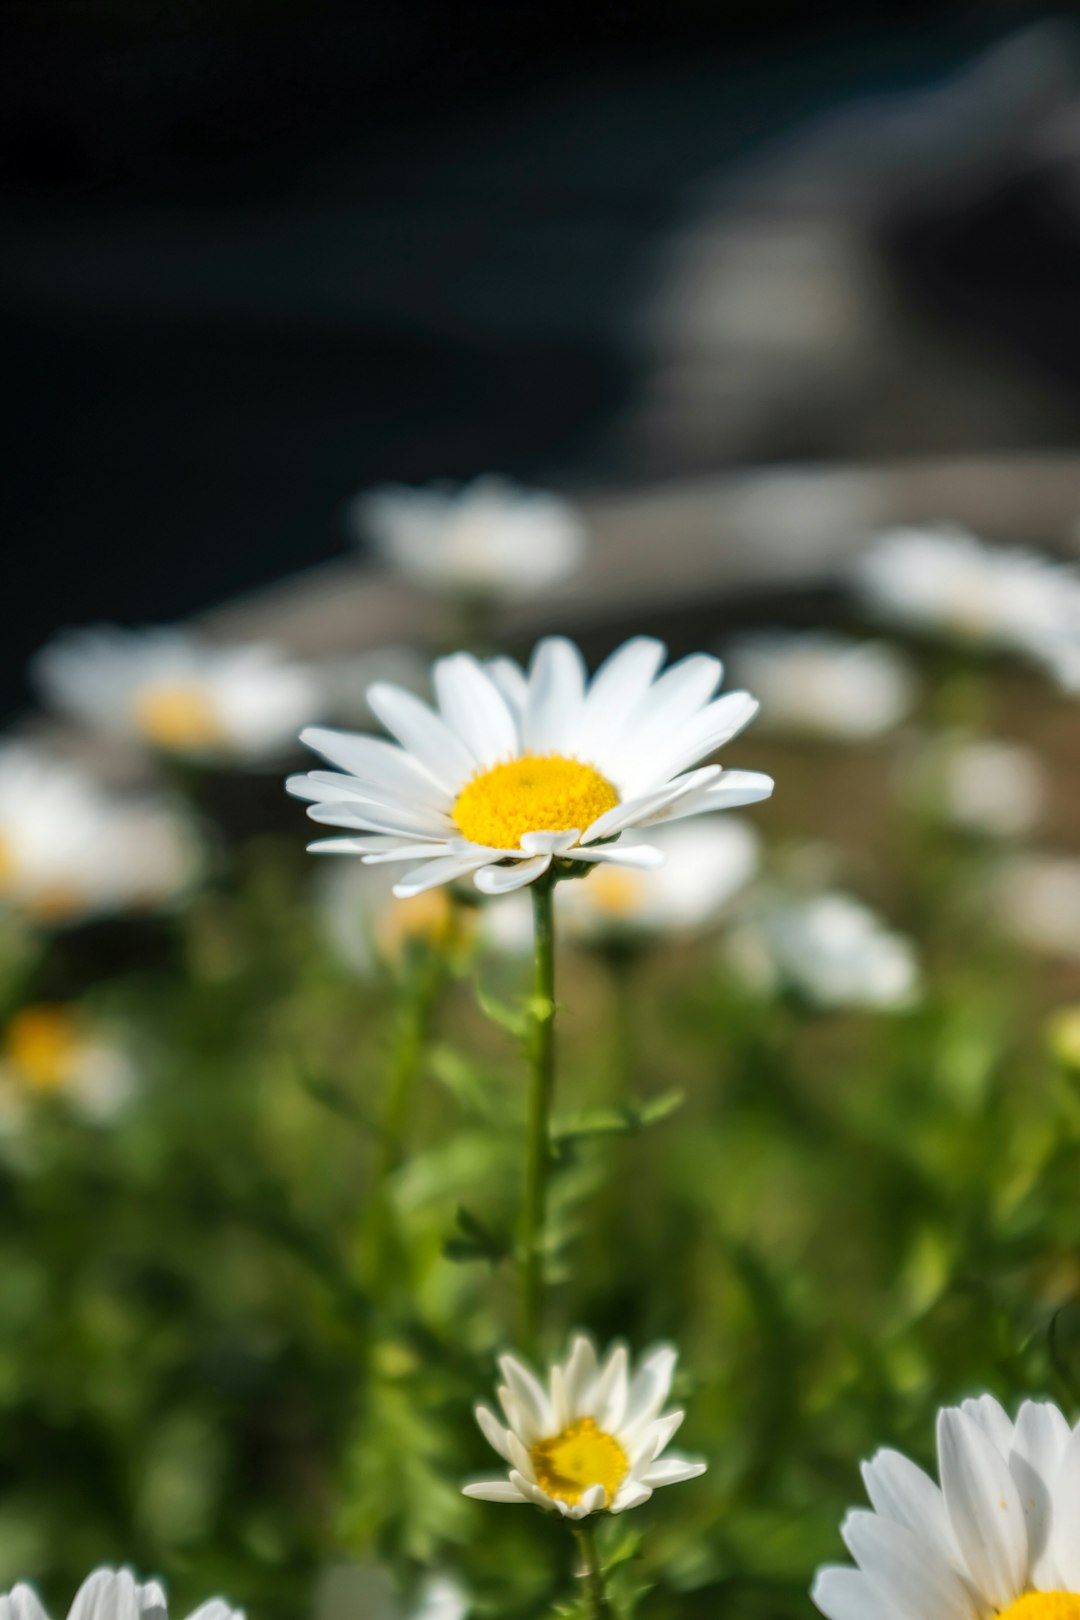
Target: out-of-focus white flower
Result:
[[69, 850], [997, 1537], [591, 1441], [168, 690], [828, 948], [367, 927], [706, 863], [983, 785], [487, 538], [1061, 658], [111, 1594], [824, 685], [516, 770], [948, 582], [1036, 901], [52, 1050], [368, 1592]]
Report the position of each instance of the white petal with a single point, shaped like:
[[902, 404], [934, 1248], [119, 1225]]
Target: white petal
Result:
[[374, 761], [533, 1408], [21, 1603], [474, 708], [845, 1594], [984, 1507], [615, 692], [681, 693], [519, 1457], [432, 873], [671, 1471], [650, 1386], [368, 816], [659, 1433], [992, 1419], [579, 1375], [901, 1491], [638, 812], [419, 729], [734, 788], [703, 735], [908, 1576], [403, 852], [504, 879], [216, 1609], [1039, 1443], [512, 682], [377, 847], [496, 1436], [556, 691], [592, 1501], [630, 1495], [494, 1490], [107, 1594], [549, 843], [153, 1605], [533, 1493], [1066, 1542], [643, 856], [612, 1390]]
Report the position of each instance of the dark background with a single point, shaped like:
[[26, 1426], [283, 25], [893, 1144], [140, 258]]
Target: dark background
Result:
[[260, 255]]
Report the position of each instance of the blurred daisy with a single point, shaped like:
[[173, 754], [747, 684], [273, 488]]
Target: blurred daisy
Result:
[[828, 948], [489, 538], [170, 691], [706, 864], [825, 685], [68, 850], [947, 581], [111, 1594], [516, 770], [998, 1536], [983, 785], [1036, 902], [368, 1592], [53, 1050], [367, 928], [592, 1440]]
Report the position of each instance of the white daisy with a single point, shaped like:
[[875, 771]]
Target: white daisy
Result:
[[997, 1537], [52, 1050], [1035, 898], [168, 690], [828, 948], [947, 581], [514, 771], [825, 685], [111, 1594], [69, 850], [981, 784], [592, 1440], [488, 538], [369, 1592], [367, 928]]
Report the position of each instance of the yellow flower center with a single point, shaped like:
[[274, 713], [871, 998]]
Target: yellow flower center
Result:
[[40, 1044], [584, 1455], [178, 717], [1044, 1606], [537, 793]]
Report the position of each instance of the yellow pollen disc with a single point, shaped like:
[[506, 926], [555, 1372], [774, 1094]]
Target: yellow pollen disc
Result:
[[178, 717], [537, 793], [1044, 1606], [579, 1457], [40, 1044]]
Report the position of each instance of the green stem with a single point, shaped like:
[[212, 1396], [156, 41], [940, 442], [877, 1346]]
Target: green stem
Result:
[[541, 1048], [592, 1574]]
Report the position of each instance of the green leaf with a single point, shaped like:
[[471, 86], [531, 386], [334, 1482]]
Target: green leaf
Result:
[[475, 1241], [515, 1020], [626, 1120]]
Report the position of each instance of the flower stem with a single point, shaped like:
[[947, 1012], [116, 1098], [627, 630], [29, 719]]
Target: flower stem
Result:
[[591, 1572], [541, 1047]]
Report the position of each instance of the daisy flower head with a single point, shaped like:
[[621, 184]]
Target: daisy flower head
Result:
[[515, 770], [69, 850], [50, 1049], [828, 948], [172, 692], [111, 1594], [591, 1441], [997, 1536], [489, 538], [814, 684], [948, 582]]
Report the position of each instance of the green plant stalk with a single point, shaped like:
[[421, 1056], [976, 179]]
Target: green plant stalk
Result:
[[541, 1049], [597, 1606]]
